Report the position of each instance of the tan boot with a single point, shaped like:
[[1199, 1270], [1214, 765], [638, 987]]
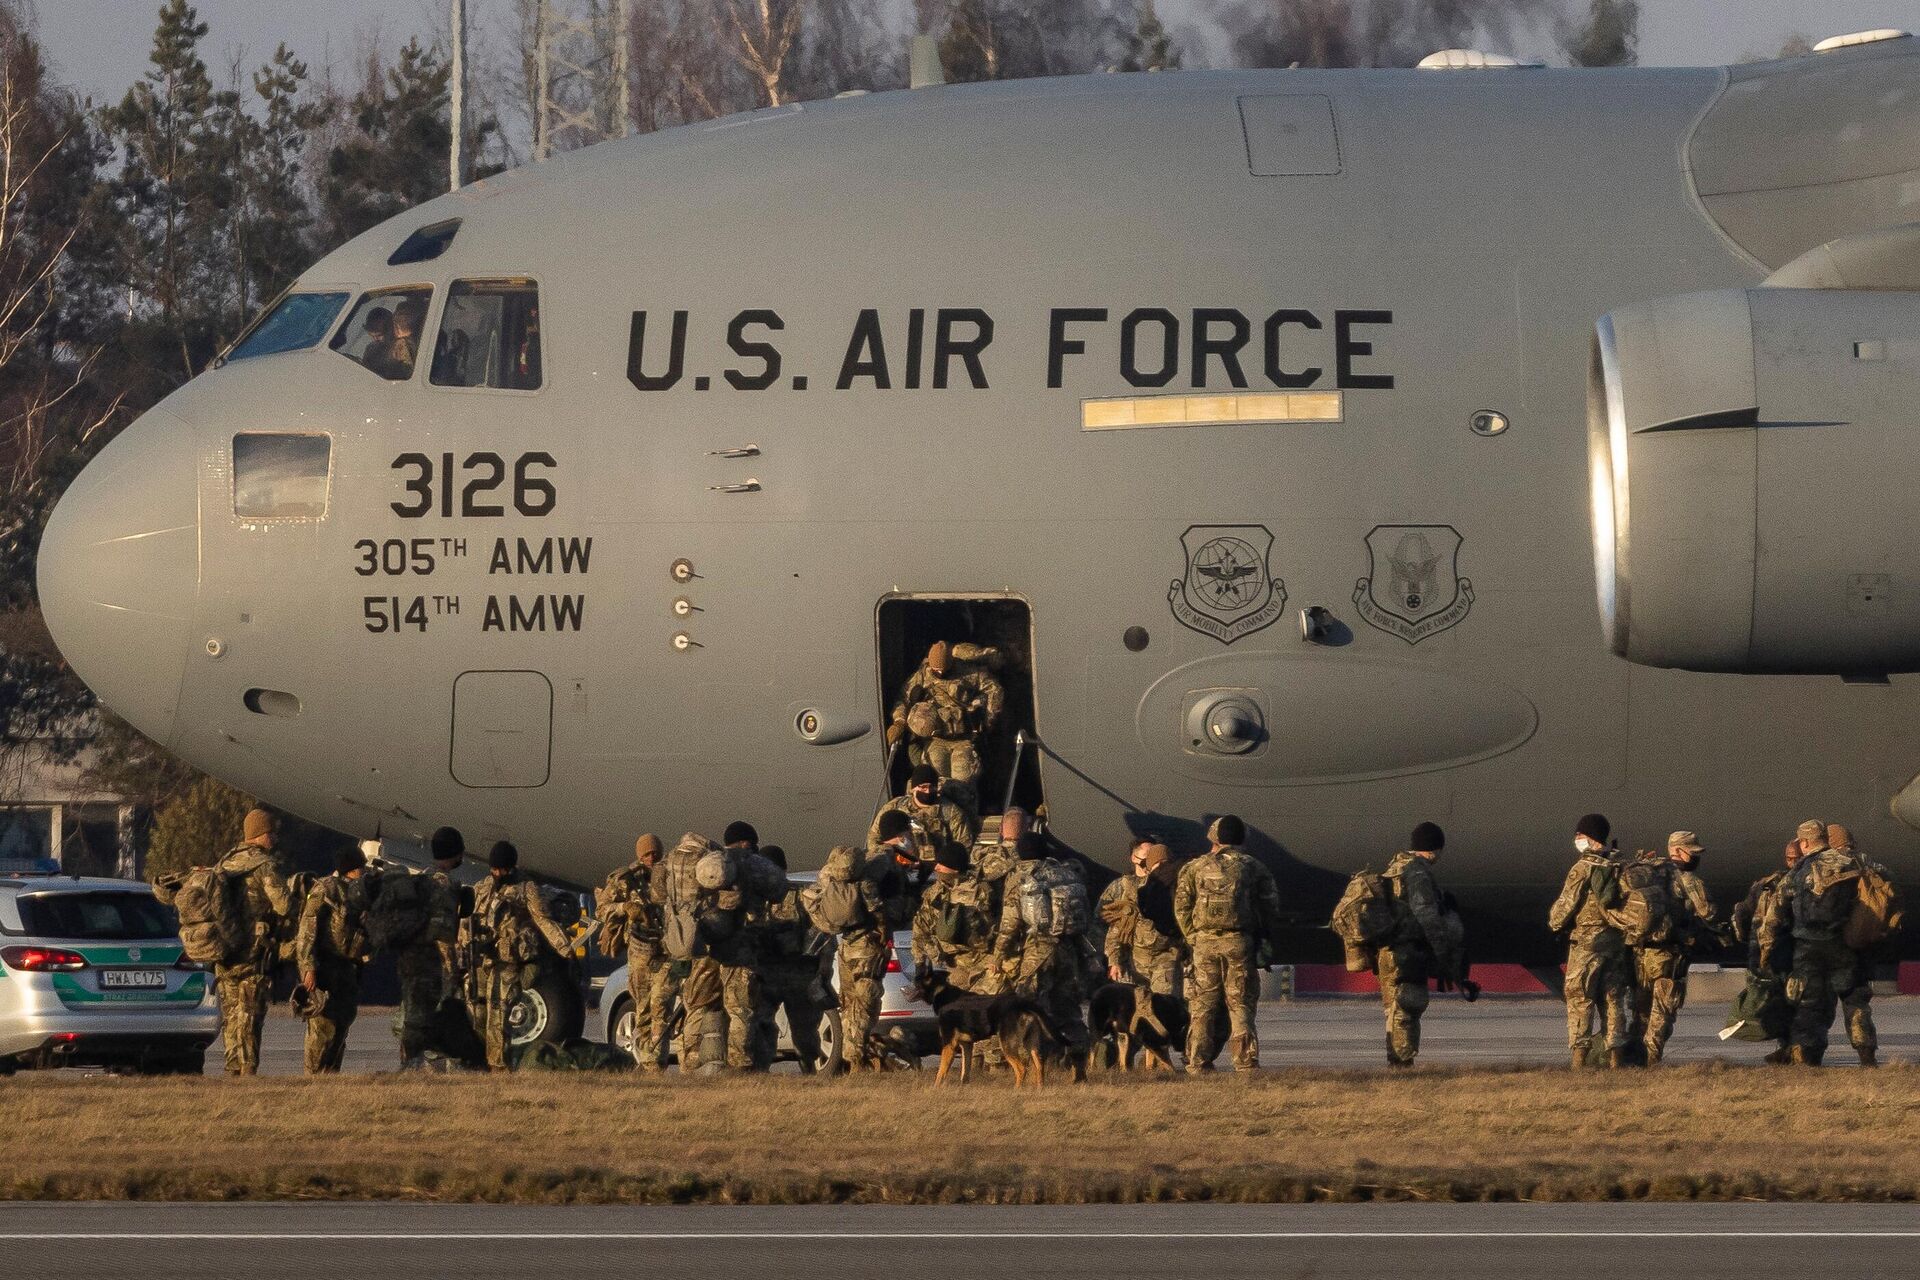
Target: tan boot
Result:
[[1616, 1059], [1868, 1058], [1578, 1060], [1799, 1057]]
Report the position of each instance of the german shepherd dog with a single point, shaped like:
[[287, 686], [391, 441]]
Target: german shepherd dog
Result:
[[1155, 1030], [1025, 1038]]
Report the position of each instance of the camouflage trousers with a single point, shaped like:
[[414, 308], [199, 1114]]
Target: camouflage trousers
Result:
[[720, 1001], [243, 992], [1598, 988], [956, 759], [1052, 974], [651, 984], [500, 985], [423, 983], [787, 984], [1403, 973], [1155, 968], [1223, 973], [1659, 993], [862, 964], [1826, 974], [327, 1030]]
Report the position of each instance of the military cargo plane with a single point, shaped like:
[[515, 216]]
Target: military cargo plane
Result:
[[1278, 431]]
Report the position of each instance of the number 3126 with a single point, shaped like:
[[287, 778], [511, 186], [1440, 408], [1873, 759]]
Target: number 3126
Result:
[[481, 476]]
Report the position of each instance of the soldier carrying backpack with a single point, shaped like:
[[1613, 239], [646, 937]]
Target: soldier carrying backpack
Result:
[[848, 904], [1663, 909], [231, 917], [1425, 940], [1599, 980], [1813, 909], [1041, 948], [1226, 903]]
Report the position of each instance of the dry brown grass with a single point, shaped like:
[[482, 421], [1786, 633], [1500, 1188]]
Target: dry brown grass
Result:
[[1682, 1133]]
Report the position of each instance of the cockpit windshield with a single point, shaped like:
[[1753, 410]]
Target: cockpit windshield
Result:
[[296, 322], [489, 336], [383, 333]]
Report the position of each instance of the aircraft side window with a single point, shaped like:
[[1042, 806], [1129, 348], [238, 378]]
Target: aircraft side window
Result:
[[281, 475], [383, 333], [489, 336]]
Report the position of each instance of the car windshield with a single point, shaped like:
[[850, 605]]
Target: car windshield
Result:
[[298, 322], [109, 914]]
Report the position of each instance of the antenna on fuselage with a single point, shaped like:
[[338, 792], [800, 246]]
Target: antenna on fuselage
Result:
[[923, 63]]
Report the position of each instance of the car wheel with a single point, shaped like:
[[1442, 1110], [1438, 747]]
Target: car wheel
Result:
[[830, 1040], [550, 1010], [620, 1039]]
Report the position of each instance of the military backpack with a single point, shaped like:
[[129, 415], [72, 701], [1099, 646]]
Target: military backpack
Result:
[[681, 898], [398, 914], [833, 902], [1878, 913], [1220, 896], [1053, 900], [214, 928], [1644, 913], [1365, 916]]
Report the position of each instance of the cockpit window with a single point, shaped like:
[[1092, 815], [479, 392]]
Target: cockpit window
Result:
[[299, 321], [383, 333], [425, 244], [489, 336], [279, 475]]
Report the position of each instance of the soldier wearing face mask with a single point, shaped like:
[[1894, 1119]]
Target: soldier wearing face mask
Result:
[[1599, 985]]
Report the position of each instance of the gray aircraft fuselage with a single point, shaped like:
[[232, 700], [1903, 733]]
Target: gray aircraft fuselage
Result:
[[931, 313]]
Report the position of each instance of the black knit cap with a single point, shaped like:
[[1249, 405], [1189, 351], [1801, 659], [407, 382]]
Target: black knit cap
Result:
[[1030, 846], [1228, 830], [953, 858], [1594, 826], [1428, 838], [740, 833], [503, 856], [349, 859], [894, 824], [447, 845], [776, 855], [922, 774]]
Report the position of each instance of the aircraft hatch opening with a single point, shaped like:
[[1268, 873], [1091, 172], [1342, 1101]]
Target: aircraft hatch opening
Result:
[[991, 637]]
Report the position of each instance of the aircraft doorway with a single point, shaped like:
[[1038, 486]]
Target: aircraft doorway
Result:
[[992, 635]]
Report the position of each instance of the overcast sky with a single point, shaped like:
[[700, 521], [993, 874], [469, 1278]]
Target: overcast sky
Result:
[[101, 46]]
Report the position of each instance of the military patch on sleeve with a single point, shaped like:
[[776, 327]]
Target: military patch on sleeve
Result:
[[1420, 593], [1228, 590]]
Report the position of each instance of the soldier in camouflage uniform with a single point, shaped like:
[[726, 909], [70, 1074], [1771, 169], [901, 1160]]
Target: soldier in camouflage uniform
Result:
[[952, 929], [1050, 971], [1660, 968], [945, 711], [860, 943], [510, 924], [790, 975], [1426, 942], [1811, 909], [245, 985], [937, 823], [1225, 903], [650, 982], [330, 952], [1748, 917], [1599, 981], [1142, 943], [737, 959], [425, 965]]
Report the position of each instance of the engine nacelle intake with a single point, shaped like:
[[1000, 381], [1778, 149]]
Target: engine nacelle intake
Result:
[[1754, 457]]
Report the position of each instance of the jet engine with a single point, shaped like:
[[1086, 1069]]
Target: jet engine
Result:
[[1753, 459]]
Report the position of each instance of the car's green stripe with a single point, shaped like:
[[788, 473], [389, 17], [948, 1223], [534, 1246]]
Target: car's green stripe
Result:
[[158, 955]]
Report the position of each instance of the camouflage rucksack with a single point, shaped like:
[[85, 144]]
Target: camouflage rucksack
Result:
[[1819, 892], [1220, 895], [833, 901], [1878, 912], [214, 928], [1644, 913], [1364, 917], [613, 907], [681, 900], [1053, 900], [397, 916]]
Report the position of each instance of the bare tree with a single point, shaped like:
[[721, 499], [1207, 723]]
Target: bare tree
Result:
[[761, 36]]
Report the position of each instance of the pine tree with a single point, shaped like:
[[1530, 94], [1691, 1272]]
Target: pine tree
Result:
[[200, 823], [279, 235], [397, 156], [1150, 46], [1610, 36]]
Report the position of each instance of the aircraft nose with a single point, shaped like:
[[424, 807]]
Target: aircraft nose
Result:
[[119, 571]]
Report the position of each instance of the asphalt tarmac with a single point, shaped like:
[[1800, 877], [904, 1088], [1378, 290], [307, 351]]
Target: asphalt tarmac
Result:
[[1328, 1032], [1326, 1242]]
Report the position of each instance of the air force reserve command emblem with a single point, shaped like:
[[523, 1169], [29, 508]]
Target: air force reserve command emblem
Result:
[[1413, 589], [1228, 590]]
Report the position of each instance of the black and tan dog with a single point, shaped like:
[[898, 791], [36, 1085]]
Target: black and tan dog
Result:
[[1016, 1024], [1155, 1026]]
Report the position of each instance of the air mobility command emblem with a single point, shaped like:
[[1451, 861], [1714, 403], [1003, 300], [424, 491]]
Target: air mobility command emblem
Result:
[[1412, 589], [1228, 591]]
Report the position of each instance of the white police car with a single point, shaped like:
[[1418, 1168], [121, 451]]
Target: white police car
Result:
[[92, 974]]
